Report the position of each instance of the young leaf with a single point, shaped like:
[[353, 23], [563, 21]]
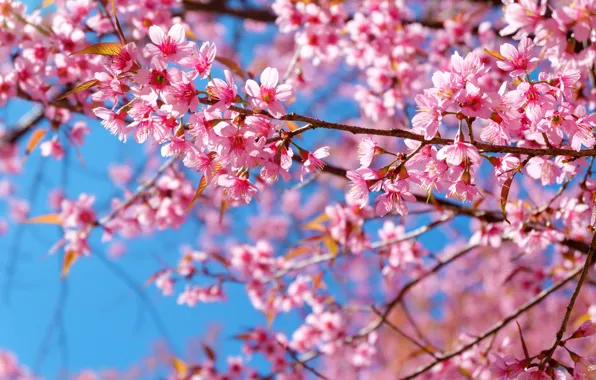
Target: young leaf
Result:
[[45, 219], [233, 66], [69, 258], [34, 140], [525, 348], [82, 87], [47, 3], [298, 251], [270, 317], [200, 189], [317, 281], [102, 48], [315, 224], [495, 54], [180, 367], [209, 352], [504, 194]]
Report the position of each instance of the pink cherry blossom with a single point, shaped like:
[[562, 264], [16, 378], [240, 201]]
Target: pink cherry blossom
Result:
[[269, 94]]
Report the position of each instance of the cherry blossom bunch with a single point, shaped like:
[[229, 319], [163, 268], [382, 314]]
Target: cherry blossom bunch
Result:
[[431, 215]]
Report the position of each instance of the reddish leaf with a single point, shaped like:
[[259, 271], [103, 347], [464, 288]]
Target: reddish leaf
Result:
[[331, 245], [243, 336], [504, 194], [200, 189], [34, 140], [317, 281], [45, 219], [495, 54], [154, 277], [209, 352], [525, 348], [298, 251], [102, 48], [221, 259], [315, 224], [180, 367], [270, 317], [69, 258], [233, 66], [82, 87]]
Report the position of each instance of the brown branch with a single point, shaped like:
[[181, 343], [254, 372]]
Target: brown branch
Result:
[[222, 8]]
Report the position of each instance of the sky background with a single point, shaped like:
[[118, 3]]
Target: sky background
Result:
[[109, 319]]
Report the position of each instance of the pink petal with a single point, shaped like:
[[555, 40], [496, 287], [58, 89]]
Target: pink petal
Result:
[[269, 77], [252, 88], [156, 34]]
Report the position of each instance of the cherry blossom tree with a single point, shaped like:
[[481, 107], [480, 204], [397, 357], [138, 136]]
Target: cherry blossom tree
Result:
[[316, 162]]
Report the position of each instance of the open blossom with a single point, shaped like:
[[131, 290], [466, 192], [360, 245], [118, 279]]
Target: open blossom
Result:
[[78, 213], [126, 59], [52, 148], [396, 193], [429, 116], [269, 95], [313, 162], [224, 92], [237, 187], [113, 122], [201, 60], [506, 368], [172, 47], [458, 152], [523, 16], [518, 61], [359, 186], [367, 148]]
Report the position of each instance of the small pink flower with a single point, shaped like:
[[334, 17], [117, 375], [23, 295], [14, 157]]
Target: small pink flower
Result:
[[120, 174], [52, 148], [367, 148], [313, 162], [8, 88], [224, 92], [238, 188], [201, 60], [126, 59], [588, 328], [3, 227], [78, 213], [429, 116], [458, 152], [172, 46], [518, 61], [359, 189], [78, 131], [506, 368], [269, 95], [113, 122]]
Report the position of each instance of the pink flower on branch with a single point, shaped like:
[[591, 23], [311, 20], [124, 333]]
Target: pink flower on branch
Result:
[[269, 94]]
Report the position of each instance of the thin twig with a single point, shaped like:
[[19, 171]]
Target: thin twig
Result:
[[582, 278]]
